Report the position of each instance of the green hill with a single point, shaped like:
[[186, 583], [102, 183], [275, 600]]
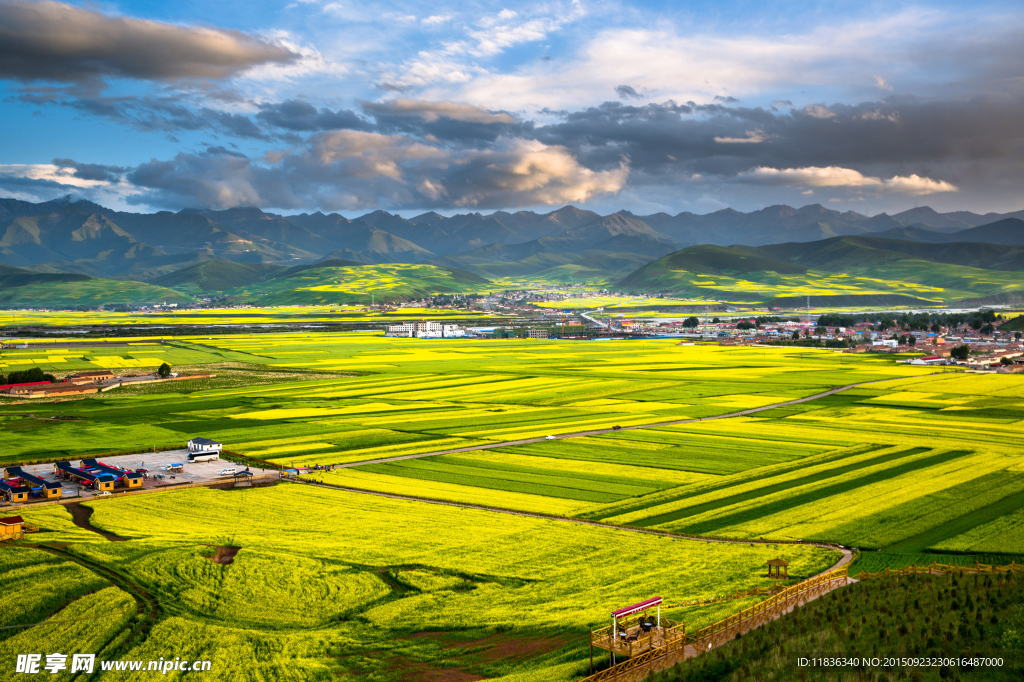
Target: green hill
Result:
[[21, 288], [843, 271], [329, 282], [217, 276]]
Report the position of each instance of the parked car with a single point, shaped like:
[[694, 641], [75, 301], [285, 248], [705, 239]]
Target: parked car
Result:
[[104, 493], [616, 427], [227, 472], [549, 437]]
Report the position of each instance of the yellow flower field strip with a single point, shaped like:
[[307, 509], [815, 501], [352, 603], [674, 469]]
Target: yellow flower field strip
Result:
[[586, 467], [319, 412], [263, 390], [451, 492], [950, 424], [257, 444], [275, 452], [444, 389], [862, 503], [555, 429], [453, 412], [749, 481], [1004, 534], [619, 406], [394, 450]]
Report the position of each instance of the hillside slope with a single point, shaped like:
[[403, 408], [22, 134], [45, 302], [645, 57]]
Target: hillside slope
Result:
[[326, 283], [21, 288], [844, 271]]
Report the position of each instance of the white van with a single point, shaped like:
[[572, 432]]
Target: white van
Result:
[[227, 472]]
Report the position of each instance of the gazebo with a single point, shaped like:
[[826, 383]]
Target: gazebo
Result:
[[628, 637], [778, 567]]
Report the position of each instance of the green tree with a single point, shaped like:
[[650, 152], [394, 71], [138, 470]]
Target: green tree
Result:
[[1013, 632], [164, 371], [961, 352], [691, 323], [796, 335], [29, 376]]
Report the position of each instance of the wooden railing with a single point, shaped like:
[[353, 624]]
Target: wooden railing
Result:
[[771, 606], [941, 569], [642, 665]]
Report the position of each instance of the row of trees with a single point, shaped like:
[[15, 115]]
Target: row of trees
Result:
[[28, 376]]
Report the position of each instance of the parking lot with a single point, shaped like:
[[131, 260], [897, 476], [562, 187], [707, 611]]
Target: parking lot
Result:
[[154, 462]]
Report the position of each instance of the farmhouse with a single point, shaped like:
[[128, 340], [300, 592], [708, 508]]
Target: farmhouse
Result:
[[11, 528], [51, 390], [124, 477], [14, 491], [90, 377], [90, 478], [50, 490], [203, 450], [6, 388]]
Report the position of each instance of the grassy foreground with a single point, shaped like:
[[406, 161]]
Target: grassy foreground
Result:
[[332, 585], [923, 617]]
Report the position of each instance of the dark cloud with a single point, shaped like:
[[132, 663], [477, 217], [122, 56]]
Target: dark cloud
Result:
[[53, 41], [299, 116], [973, 142], [627, 92], [91, 171], [164, 114], [350, 169], [726, 100], [454, 123]]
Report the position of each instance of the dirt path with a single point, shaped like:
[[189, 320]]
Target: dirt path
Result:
[[597, 432], [80, 515]]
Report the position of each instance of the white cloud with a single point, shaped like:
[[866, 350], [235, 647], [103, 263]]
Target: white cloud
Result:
[[436, 19], [671, 63], [495, 34], [49, 172], [880, 82], [915, 185], [835, 176], [752, 137]]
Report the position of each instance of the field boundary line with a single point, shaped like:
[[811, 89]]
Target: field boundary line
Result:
[[598, 432]]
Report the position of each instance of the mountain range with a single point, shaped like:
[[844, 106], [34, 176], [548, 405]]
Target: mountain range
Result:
[[68, 236]]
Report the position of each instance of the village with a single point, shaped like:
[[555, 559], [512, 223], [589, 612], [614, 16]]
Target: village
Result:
[[199, 463]]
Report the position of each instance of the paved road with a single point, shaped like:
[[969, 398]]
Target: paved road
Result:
[[581, 434]]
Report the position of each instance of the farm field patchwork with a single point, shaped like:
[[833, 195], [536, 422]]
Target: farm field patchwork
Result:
[[370, 396], [274, 315], [305, 601], [371, 588]]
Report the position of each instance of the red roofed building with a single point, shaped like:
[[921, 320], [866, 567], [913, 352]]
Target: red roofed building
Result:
[[8, 387]]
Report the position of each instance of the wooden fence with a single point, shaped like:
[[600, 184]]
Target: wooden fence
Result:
[[675, 649], [941, 569]]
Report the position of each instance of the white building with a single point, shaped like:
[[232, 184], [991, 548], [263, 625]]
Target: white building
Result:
[[426, 330], [203, 450]]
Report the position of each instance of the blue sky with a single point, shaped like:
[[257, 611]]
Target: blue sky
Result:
[[456, 106]]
